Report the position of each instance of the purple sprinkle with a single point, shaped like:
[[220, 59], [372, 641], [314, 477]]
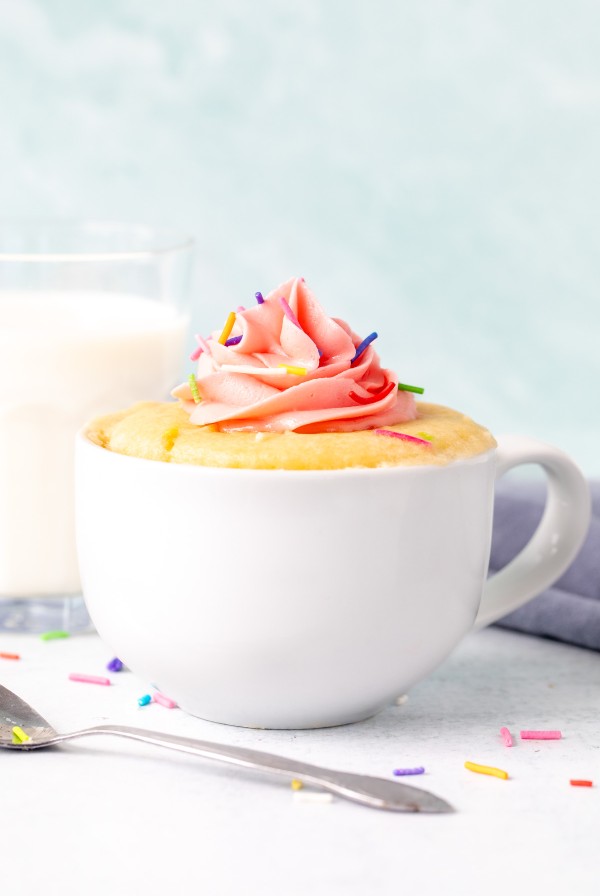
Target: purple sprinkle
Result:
[[363, 345], [235, 340], [115, 665], [409, 771], [288, 312], [320, 353], [259, 297]]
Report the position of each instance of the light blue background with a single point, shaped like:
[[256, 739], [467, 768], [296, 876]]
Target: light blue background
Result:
[[431, 168]]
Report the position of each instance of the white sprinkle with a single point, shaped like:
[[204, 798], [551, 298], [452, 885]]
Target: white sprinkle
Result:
[[400, 701]]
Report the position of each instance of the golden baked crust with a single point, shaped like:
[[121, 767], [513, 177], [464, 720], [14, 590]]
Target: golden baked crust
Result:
[[162, 431]]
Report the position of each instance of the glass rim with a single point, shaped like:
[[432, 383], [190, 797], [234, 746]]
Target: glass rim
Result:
[[164, 241]]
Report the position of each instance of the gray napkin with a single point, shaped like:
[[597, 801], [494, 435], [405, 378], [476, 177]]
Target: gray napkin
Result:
[[569, 610]]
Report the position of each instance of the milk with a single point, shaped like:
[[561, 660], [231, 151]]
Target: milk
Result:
[[66, 357]]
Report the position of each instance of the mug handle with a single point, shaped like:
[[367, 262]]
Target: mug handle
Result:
[[556, 540]]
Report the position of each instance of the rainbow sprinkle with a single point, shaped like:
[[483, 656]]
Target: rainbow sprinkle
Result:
[[194, 388], [580, 782], [288, 312], [363, 345], [425, 435], [487, 770], [233, 340], [88, 679], [541, 735], [506, 737], [296, 784], [226, 331], [163, 700], [145, 700], [401, 435], [53, 636], [114, 665], [202, 347], [10, 656], [19, 736], [419, 770], [403, 387], [297, 371], [259, 297]]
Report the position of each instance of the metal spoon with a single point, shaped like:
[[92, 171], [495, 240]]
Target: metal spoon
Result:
[[364, 789]]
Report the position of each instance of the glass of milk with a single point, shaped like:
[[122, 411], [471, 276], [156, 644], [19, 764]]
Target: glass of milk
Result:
[[93, 317]]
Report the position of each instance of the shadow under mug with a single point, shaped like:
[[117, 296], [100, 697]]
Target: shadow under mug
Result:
[[301, 599]]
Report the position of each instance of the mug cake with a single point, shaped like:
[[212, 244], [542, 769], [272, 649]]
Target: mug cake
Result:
[[283, 386]]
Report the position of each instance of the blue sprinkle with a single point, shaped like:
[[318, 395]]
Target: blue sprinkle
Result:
[[259, 297], [410, 771], [145, 700], [360, 349], [115, 665], [235, 340]]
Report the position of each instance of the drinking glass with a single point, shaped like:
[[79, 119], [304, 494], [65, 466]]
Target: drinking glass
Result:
[[93, 317]]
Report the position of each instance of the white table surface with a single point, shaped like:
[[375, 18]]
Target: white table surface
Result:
[[108, 816]]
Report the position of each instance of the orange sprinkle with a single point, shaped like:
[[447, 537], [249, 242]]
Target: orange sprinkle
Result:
[[10, 656], [580, 782], [227, 328]]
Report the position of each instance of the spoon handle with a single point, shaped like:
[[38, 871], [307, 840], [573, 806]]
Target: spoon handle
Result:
[[369, 791]]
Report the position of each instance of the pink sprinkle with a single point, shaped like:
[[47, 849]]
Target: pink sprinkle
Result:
[[541, 735], [401, 435], [506, 737], [164, 700], [88, 679], [288, 312], [202, 347], [239, 308]]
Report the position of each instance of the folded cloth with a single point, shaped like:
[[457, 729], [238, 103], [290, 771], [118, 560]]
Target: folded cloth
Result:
[[570, 609]]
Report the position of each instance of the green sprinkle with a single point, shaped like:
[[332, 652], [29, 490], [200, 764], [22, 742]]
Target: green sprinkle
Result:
[[425, 435], [404, 388], [194, 388], [19, 736], [53, 636]]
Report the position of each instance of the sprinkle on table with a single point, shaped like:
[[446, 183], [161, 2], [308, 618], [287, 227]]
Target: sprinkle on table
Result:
[[404, 387], [145, 700], [88, 679], [10, 656], [226, 331], [194, 388], [419, 770], [506, 737], [541, 735], [53, 636], [486, 770], [296, 784], [363, 345], [581, 782], [401, 435], [163, 700], [19, 736], [114, 665]]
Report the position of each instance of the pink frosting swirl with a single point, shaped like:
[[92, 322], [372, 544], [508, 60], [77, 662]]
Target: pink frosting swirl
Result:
[[245, 385]]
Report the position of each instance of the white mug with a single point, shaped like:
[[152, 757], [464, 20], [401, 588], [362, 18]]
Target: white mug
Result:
[[301, 599]]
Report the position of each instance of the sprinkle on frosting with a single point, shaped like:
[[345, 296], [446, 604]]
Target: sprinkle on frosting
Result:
[[404, 388], [194, 388], [363, 345], [291, 367], [227, 328]]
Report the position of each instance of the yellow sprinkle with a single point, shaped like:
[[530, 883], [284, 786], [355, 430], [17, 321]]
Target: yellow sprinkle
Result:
[[486, 770], [227, 328], [296, 784], [19, 736], [298, 371], [425, 435]]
